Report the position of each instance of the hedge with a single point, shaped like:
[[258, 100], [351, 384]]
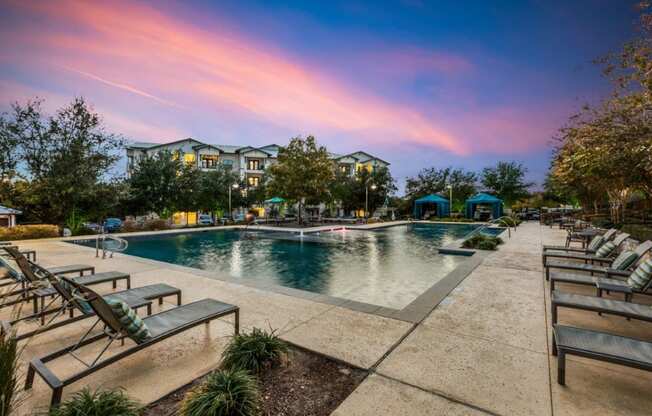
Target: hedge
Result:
[[28, 232], [637, 231]]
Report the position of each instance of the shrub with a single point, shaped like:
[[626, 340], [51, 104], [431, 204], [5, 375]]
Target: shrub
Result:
[[254, 351], [224, 393], [8, 372], [482, 242], [97, 403], [156, 225], [27, 232], [637, 231]]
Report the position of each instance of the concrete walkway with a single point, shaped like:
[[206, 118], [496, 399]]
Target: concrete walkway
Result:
[[486, 350], [483, 350]]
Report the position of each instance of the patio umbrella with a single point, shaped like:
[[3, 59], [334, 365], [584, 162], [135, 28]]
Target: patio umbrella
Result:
[[275, 200]]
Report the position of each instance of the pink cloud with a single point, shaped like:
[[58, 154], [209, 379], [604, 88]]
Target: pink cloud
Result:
[[139, 50]]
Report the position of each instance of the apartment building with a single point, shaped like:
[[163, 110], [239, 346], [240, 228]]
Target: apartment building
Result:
[[248, 161]]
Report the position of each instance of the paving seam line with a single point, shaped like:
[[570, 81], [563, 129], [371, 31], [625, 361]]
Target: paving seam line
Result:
[[438, 394]]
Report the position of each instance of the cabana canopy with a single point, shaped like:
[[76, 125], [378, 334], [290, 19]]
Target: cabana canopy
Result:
[[442, 205], [495, 203]]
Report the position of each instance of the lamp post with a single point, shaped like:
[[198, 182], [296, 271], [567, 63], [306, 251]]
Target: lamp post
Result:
[[234, 186], [450, 199], [366, 198]]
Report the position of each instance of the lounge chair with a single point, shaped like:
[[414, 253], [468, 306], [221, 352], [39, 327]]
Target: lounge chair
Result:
[[600, 346], [35, 289], [592, 268], [134, 298], [627, 310], [607, 236], [589, 254], [30, 254], [628, 283], [160, 326]]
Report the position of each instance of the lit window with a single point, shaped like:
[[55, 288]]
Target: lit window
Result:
[[189, 157], [253, 181], [253, 164], [208, 161]]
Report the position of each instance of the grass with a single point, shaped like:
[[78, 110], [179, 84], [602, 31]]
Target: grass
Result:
[[224, 393], [254, 351], [97, 403]]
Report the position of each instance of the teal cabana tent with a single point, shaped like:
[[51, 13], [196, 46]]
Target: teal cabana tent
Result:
[[495, 203], [432, 201]]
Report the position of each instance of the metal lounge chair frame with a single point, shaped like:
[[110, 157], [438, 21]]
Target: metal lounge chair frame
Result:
[[607, 236], [640, 251], [135, 298], [114, 330], [599, 346], [34, 288], [596, 304], [583, 254]]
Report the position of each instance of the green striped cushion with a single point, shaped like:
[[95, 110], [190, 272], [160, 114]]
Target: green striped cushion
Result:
[[136, 328], [596, 242], [641, 276], [606, 249], [624, 260]]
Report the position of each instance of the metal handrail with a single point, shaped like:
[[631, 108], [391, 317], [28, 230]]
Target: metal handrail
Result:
[[103, 237]]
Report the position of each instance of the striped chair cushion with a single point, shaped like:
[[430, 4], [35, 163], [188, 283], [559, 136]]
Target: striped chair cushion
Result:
[[606, 249], [624, 260], [640, 278], [135, 327], [596, 242]]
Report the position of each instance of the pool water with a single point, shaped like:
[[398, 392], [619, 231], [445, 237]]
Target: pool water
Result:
[[387, 267]]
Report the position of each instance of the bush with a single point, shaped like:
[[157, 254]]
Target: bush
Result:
[[637, 231], [8, 372], [156, 225], [482, 242], [224, 393], [27, 232], [97, 403], [254, 351]]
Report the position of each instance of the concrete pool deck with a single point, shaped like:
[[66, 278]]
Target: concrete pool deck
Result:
[[483, 350]]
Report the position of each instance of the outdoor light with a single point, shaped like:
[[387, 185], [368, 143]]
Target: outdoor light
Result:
[[373, 187], [235, 186]]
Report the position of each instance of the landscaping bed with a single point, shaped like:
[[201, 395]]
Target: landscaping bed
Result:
[[306, 384]]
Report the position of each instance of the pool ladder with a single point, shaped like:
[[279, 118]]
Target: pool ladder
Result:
[[110, 244]]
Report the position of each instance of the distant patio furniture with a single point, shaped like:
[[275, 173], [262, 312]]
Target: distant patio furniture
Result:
[[586, 254], [599, 346], [161, 326], [35, 289], [134, 298], [592, 268]]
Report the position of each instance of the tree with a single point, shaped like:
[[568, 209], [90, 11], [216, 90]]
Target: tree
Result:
[[9, 141], [213, 192], [303, 171], [66, 156], [435, 181], [506, 181], [153, 184]]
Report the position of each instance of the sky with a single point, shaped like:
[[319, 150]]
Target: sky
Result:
[[417, 83]]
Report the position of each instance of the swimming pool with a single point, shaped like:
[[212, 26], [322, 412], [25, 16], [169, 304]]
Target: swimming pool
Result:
[[387, 267]]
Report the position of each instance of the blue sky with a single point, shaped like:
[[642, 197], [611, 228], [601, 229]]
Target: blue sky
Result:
[[419, 83]]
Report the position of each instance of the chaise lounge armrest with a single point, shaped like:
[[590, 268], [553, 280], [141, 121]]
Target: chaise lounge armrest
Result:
[[615, 273]]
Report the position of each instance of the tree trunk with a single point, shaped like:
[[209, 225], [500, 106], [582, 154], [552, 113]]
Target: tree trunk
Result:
[[300, 217]]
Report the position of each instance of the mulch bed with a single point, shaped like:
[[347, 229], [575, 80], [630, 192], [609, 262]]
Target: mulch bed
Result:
[[309, 384]]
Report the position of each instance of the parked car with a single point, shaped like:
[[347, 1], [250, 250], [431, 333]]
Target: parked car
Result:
[[205, 219], [112, 225]]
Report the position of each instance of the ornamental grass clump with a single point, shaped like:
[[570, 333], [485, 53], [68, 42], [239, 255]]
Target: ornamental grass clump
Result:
[[224, 393], [8, 372], [97, 403], [254, 352]]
